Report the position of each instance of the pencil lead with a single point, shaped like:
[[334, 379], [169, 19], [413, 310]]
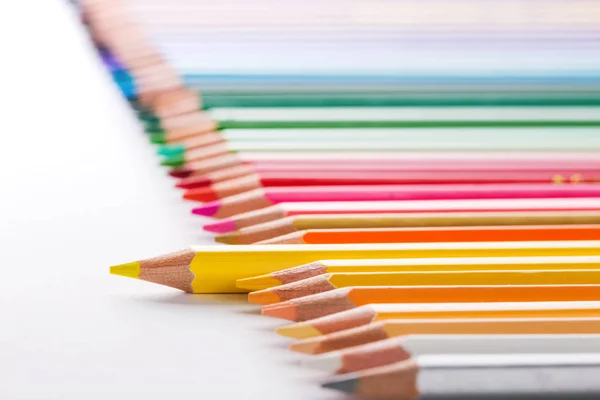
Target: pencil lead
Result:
[[298, 331], [130, 270], [171, 150], [196, 183], [306, 346], [346, 385], [208, 209], [173, 161], [264, 297], [224, 226], [226, 238], [255, 282], [180, 173], [284, 310], [157, 138], [203, 194]]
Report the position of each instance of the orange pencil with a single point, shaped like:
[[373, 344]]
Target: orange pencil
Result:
[[336, 280], [297, 223], [367, 314], [440, 234], [338, 300]]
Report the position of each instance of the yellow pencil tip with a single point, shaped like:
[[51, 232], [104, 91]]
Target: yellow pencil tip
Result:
[[258, 282], [131, 270], [298, 331]]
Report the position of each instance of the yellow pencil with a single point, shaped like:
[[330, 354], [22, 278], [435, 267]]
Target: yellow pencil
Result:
[[416, 264], [215, 269], [327, 282]]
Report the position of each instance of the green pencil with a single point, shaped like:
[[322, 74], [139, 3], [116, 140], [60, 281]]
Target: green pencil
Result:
[[390, 117]]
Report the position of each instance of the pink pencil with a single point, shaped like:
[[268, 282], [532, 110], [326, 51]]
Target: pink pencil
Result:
[[265, 197], [411, 161], [282, 210], [226, 183]]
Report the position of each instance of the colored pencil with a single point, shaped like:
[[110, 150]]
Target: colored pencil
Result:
[[296, 223], [411, 138], [484, 376], [242, 184], [381, 330], [336, 280], [402, 348], [283, 210], [328, 145], [379, 312], [375, 99], [215, 269], [261, 198], [442, 234], [583, 169], [398, 99], [419, 160], [322, 267], [380, 117], [338, 300]]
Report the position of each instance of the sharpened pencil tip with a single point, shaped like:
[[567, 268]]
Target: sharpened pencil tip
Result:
[[298, 331], [257, 282], [224, 226], [130, 270], [208, 209], [171, 150], [284, 310], [347, 385], [264, 297]]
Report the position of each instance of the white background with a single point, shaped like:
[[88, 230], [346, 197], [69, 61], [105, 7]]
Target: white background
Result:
[[80, 189]]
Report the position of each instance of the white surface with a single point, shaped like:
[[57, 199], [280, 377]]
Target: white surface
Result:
[[80, 189]]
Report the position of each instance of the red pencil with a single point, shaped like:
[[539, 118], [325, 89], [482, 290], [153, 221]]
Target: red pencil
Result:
[[507, 172], [264, 197], [199, 190]]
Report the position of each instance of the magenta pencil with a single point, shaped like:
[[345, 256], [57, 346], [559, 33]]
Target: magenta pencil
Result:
[[265, 197]]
